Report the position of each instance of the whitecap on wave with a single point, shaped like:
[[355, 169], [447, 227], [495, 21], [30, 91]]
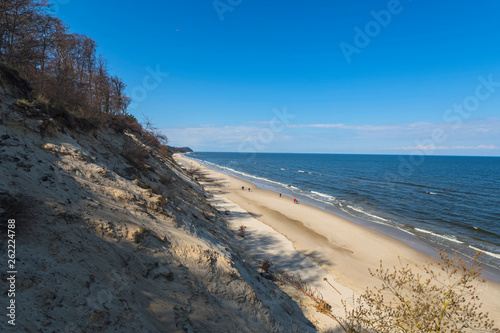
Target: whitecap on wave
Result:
[[359, 210], [491, 254], [325, 196], [447, 237]]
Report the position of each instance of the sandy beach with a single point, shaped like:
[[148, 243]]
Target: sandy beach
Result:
[[314, 243]]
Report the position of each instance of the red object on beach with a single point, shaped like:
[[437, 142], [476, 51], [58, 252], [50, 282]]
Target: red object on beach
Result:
[[294, 200]]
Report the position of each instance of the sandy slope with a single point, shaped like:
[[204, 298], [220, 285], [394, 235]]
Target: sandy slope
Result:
[[336, 248], [100, 250]]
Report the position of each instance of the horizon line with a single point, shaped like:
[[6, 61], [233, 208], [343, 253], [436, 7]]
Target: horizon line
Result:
[[326, 153]]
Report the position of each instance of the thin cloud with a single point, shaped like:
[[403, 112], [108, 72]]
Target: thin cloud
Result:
[[479, 147], [222, 137], [345, 127], [473, 135], [479, 125], [431, 147], [264, 122]]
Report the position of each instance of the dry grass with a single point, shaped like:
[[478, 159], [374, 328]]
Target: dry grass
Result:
[[42, 102], [24, 104], [297, 282]]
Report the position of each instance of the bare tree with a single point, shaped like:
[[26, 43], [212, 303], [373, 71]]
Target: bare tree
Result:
[[63, 66], [119, 100]]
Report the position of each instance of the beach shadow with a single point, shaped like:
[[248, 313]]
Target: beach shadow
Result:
[[231, 216], [266, 248], [319, 258], [254, 215]]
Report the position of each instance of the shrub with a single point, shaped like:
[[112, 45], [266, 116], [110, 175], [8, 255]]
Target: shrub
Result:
[[164, 180], [131, 118], [149, 139], [135, 156], [165, 152], [133, 126], [443, 299], [266, 265], [193, 171], [241, 231], [140, 235], [69, 120], [121, 123], [24, 104], [161, 202]]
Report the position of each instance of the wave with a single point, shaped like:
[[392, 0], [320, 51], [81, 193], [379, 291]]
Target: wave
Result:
[[359, 210], [491, 254], [409, 184], [309, 172], [447, 237], [449, 213], [321, 197], [405, 230], [326, 196], [480, 230], [227, 169]]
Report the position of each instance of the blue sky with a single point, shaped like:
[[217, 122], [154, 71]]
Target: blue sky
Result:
[[379, 77]]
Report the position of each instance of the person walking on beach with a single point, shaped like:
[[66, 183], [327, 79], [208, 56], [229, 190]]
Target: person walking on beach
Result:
[[294, 200], [249, 189], [280, 195], [243, 187]]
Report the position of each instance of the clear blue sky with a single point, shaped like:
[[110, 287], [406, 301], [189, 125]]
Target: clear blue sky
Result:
[[398, 88]]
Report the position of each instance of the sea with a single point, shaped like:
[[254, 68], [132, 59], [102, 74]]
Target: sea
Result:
[[446, 202]]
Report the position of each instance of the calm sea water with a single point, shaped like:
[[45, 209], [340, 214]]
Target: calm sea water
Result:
[[442, 200]]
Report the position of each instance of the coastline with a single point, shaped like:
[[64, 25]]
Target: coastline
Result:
[[341, 248], [419, 236]]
